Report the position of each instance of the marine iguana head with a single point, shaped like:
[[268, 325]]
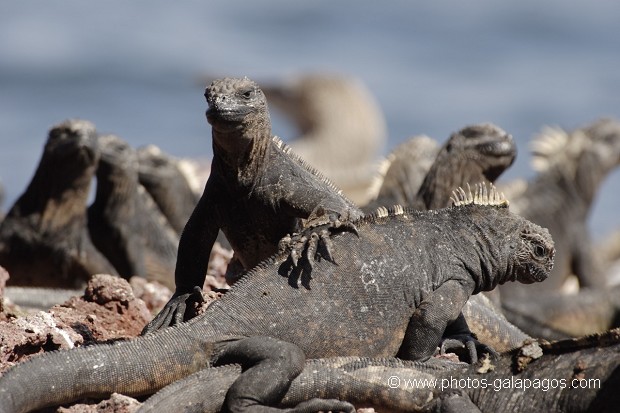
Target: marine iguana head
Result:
[[514, 249], [485, 144], [118, 166], [65, 170], [73, 144], [474, 154], [236, 104]]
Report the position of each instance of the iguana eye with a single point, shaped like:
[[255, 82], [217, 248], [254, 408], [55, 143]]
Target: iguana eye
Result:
[[247, 93], [540, 251]]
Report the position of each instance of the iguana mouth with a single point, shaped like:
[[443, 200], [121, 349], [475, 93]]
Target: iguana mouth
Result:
[[503, 148]]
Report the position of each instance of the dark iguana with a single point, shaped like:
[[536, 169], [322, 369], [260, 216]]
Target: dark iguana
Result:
[[579, 375], [572, 166], [341, 127], [258, 192], [124, 222], [161, 176], [398, 286], [43, 239], [474, 154]]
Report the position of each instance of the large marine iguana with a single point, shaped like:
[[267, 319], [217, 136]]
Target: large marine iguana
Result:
[[124, 222], [397, 287], [258, 192], [576, 375], [43, 239], [572, 166]]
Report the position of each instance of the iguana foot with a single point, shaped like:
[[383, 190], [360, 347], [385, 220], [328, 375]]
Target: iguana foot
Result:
[[313, 238], [474, 348], [174, 312]]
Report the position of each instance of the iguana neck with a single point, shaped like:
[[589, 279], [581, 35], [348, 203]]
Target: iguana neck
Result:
[[115, 185], [441, 180], [589, 176], [487, 239], [245, 155], [55, 202]]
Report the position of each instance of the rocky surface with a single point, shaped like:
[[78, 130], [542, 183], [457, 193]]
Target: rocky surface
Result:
[[108, 310]]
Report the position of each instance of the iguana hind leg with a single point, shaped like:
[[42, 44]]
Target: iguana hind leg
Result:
[[269, 366]]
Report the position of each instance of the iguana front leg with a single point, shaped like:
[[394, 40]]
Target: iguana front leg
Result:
[[269, 366], [431, 318], [193, 259]]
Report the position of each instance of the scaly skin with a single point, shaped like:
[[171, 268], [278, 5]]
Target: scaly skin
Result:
[[388, 384], [474, 154], [43, 239], [386, 296], [257, 193]]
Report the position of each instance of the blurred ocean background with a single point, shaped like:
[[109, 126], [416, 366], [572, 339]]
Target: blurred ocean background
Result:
[[134, 68]]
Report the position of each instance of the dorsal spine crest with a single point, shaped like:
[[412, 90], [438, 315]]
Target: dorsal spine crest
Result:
[[481, 196]]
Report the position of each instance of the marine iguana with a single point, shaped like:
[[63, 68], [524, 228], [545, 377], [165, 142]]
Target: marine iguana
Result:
[[163, 179], [341, 127], [124, 222], [399, 284], [575, 375], [572, 166], [258, 192], [43, 239]]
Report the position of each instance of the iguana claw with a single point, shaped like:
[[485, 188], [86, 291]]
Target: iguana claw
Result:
[[306, 244], [473, 347]]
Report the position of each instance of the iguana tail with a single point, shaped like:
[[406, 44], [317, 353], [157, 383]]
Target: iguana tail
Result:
[[135, 367]]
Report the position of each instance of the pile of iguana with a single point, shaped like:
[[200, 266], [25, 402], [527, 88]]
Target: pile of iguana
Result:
[[386, 295], [44, 238]]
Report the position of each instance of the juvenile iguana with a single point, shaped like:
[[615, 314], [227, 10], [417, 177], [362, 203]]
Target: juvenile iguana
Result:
[[579, 375], [257, 193], [398, 286], [43, 239], [124, 222]]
